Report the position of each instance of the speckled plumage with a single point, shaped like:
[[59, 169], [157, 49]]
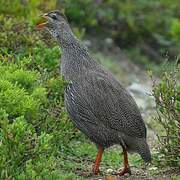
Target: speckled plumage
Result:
[[95, 100], [99, 105]]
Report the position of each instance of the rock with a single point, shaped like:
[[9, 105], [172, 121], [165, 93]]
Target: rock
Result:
[[141, 94], [140, 89], [109, 171], [87, 43], [108, 41]]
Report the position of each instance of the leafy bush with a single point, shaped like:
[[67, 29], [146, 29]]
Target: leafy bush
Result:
[[25, 9], [151, 23], [167, 97], [150, 26], [175, 29], [20, 142], [34, 127], [17, 23]]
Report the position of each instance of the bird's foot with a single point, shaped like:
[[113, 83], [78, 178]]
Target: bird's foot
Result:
[[95, 170], [125, 170]]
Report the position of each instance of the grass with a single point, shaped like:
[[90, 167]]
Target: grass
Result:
[[80, 155]]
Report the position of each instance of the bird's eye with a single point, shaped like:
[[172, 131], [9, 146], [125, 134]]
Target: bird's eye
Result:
[[53, 16]]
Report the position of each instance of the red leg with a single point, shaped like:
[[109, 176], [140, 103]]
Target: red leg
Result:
[[98, 160], [126, 168]]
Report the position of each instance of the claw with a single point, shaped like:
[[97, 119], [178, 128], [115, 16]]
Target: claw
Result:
[[126, 170], [95, 170]]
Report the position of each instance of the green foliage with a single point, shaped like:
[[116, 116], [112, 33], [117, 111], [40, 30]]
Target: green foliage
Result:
[[33, 124], [49, 60], [17, 38], [20, 144], [176, 177], [153, 23], [167, 97], [30, 141], [25, 9], [17, 22], [175, 29]]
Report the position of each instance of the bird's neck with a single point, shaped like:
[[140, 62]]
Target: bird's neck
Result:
[[75, 60], [70, 44]]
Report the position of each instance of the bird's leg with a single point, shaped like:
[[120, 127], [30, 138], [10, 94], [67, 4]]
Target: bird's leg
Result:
[[126, 168], [98, 160]]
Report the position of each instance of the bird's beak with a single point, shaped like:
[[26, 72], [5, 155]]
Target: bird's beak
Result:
[[42, 25]]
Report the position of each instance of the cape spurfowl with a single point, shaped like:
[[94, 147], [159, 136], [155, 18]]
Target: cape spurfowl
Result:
[[96, 102]]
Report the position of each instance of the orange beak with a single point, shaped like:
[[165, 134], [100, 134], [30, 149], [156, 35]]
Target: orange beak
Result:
[[42, 25]]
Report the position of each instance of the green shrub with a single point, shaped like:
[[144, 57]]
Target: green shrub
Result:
[[153, 23], [33, 124], [26, 9], [16, 101], [24, 153], [151, 26], [16, 35], [46, 60], [167, 97], [17, 22], [175, 29]]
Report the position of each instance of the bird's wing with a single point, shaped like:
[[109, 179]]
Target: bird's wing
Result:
[[99, 98]]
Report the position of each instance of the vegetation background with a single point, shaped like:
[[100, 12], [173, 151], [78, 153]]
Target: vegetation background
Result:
[[37, 139]]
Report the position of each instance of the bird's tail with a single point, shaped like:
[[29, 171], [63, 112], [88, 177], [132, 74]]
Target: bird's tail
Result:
[[143, 150]]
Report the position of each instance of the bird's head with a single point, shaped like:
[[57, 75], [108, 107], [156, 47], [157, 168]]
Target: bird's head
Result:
[[56, 23]]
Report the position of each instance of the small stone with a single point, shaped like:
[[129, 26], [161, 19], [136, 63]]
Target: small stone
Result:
[[109, 171], [139, 89], [109, 41], [153, 168], [87, 43]]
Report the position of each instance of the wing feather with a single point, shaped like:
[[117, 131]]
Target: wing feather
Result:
[[100, 98]]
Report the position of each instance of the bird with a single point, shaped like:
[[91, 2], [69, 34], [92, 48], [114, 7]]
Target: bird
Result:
[[95, 100]]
